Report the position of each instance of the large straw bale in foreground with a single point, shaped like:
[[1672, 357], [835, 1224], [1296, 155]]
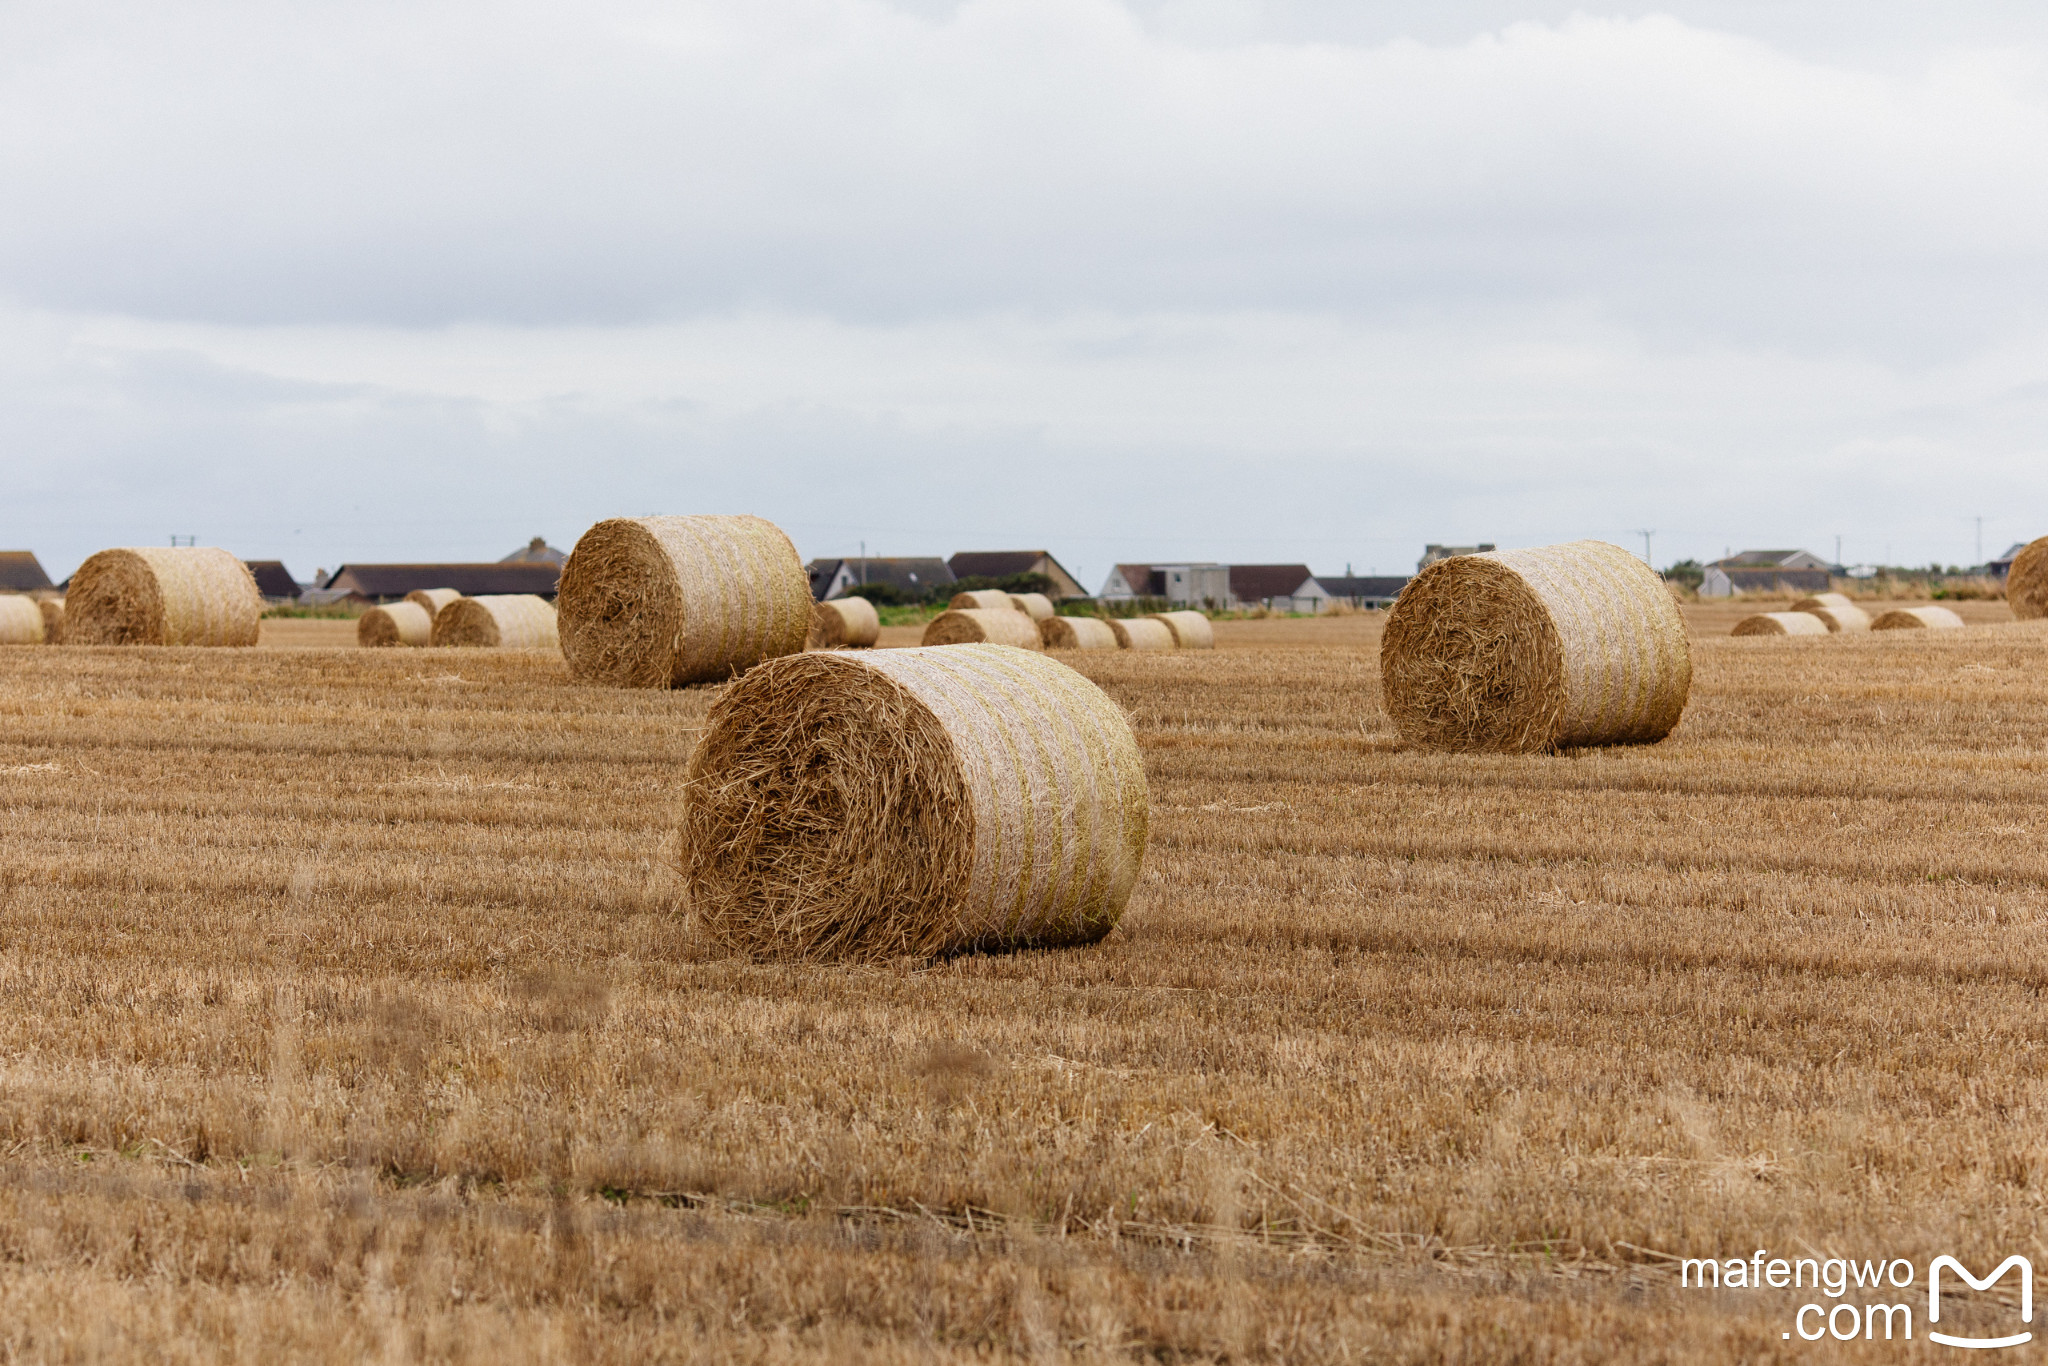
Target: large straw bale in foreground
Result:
[[503, 621], [2026, 581], [982, 625], [917, 801], [1037, 606], [663, 602], [843, 622], [432, 600], [1781, 624], [1917, 619], [1191, 630], [1836, 611], [53, 620], [1076, 633], [1530, 650], [21, 621], [982, 599], [153, 595], [1141, 633], [395, 623]]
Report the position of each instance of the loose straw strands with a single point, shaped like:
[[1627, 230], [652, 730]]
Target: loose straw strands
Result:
[[663, 602], [53, 620], [1836, 612], [153, 595], [843, 623], [923, 801], [1917, 619], [432, 600], [1781, 624], [1141, 633], [396, 623], [1076, 633], [2026, 582], [982, 625], [1530, 650], [1037, 606], [21, 621], [1191, 630], [504, 621], [984, 599]]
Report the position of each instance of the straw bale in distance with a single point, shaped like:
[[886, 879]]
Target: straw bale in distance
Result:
[[505, 621], [843, 622], [1037, 606], [53, 620], [432, 599], [156, 595], [1141, 633], [21, 621], [1836, 611], [396, 623], [983, 625], [2026, 581], [1191, 630], [1523, 651], [1076, 633], [987, 599], [921, 801], [664, 602], [1781, 624], [1917, 619]]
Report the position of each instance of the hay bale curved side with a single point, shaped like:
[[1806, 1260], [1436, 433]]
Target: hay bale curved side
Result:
[[432, 600], [2026, 581], [982, 626], [53, 620], [153, 595], [663, 602], [1076, 633], [1141, 633], [982, 599], [843, 623], [21, 621], [1037, 606], [1917, 619], [1191, 630], [1522, 651], [1836, 611], [916, 801], [395, 623], [1781, 624], [503, 621]]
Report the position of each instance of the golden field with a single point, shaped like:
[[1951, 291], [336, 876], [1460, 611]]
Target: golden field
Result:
[[348, 1018]]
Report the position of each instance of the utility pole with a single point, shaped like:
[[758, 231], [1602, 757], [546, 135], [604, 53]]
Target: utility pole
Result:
[[1980, 540], [1646, 535]]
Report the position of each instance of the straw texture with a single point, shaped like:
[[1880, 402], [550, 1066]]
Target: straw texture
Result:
[[664, 602], [503, 621], [153, 595], [1781, 624], [2026, 581], [843, 623], [1836, 611], [1523, 651], [1037, 606], [53, 620], [397, 623], [432, 600], [983, 625], [921, 801], [985, 599], [1191, 630], [1076, 633], [21, 621], [1917, 619], [1141, 633]]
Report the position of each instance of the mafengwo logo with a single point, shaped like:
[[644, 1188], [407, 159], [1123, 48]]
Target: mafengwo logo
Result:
[[1855, 1288]]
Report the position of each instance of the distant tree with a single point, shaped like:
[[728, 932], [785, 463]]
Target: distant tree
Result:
[[1688, 573], [880, 594]]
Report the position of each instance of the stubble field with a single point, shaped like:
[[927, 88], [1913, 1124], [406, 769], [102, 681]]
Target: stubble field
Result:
[[347, 1017]]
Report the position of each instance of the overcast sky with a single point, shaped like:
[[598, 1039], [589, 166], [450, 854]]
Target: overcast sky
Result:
[[1209, 279]]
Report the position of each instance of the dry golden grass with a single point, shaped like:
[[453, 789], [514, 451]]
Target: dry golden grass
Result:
[[345, 1021]]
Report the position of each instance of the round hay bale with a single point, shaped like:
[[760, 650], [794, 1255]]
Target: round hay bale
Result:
[[53, 620], [1191, 630], [1141, 633], [983, 599], [1836, 611], [153, 595], [1522, 651], [1037, 606], [502, 621], [2026, 581], [432, 599], [842, 623], [664, 602], [982, 625], [21, 621], [1076, 633], [396, 623], [919, 801], [1917, 619], [1781, 624]]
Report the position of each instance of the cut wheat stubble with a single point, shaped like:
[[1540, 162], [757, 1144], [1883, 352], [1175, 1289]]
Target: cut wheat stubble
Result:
[[153, 595], [982, 626], [500, 621], [1782, 624], [395, 623], [844, 623]]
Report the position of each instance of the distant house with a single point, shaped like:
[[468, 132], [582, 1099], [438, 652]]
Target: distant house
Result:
[[1001, 564], [913, 576], [1432, 553], [536, 551], [1765, 571], [1375, 590], [274, 581], [2003, 564], [1187, 584], [21, 572], [1278, 587], [388, 582]]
